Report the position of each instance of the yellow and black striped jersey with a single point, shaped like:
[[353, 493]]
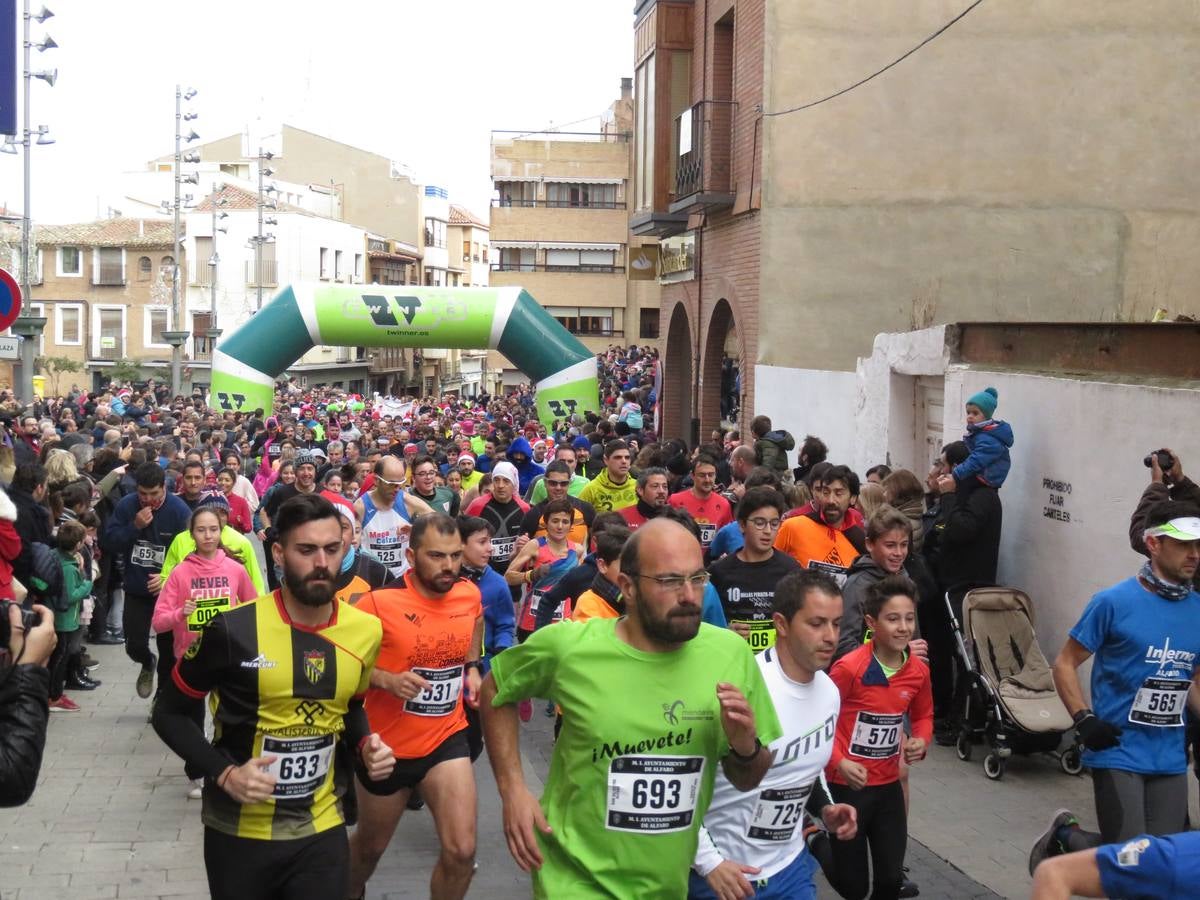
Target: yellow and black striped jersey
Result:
[[280, 689]]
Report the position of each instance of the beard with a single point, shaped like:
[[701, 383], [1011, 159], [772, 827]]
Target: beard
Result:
[[314, 589], [679, 625], [434, 578]]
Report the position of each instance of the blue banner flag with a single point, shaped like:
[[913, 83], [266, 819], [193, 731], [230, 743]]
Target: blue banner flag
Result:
[[8, 66]]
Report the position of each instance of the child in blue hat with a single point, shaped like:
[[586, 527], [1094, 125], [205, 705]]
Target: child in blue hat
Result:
[[988, 439]]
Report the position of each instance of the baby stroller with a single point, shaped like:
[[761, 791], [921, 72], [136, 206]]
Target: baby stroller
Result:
[[1010, 700]]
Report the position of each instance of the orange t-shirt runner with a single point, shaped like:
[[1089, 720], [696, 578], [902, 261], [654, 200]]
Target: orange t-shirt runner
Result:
[[431, 637]]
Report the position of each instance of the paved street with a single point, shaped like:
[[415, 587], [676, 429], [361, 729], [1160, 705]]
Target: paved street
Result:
[[110, 817]]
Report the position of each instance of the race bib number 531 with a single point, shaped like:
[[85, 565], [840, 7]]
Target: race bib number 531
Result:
[[649, 794]]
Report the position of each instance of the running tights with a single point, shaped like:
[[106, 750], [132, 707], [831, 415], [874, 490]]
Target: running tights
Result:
[[882, 832], [1129, 804]]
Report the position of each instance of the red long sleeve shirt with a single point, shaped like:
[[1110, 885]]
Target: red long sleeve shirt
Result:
[[870, 726]]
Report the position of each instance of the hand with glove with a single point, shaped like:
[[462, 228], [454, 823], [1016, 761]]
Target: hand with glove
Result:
[[1095, 733]]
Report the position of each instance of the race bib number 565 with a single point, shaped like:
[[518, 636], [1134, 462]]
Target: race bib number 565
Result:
[[649, 794]]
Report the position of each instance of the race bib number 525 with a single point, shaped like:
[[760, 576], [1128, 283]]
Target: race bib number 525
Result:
[[649, 794]]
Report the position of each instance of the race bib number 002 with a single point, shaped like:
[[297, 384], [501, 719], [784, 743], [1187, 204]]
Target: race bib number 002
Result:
[[441, 697], [778, 812], [653, 794], [876, 735], [206, 611], [301, 764], [1160, 702]]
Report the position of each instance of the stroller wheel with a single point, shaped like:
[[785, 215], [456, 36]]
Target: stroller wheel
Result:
[[993, 766], [963, 746], [1071, 761]]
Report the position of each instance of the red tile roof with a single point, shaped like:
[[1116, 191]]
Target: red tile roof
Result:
[[460, 215], [109, 233]]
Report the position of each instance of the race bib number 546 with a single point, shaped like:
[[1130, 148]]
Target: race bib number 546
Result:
[[649, 794]]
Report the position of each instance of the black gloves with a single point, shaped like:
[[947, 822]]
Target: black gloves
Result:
[[1095, 733]]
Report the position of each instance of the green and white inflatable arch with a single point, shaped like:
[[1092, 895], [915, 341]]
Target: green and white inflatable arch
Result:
[[302, 316]]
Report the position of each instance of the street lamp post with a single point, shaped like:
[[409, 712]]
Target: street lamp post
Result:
[[29, 327], [214, 261], [264, 203], [177, 336]]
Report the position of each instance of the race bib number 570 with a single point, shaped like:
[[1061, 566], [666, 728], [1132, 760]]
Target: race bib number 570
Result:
[[653, 794]]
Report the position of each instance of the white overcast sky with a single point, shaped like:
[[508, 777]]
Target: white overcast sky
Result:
[[421, 82]]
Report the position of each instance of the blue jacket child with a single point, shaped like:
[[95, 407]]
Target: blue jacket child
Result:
[[988, 439]]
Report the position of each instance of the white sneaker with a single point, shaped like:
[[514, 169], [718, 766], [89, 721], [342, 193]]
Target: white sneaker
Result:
[[196, 791]]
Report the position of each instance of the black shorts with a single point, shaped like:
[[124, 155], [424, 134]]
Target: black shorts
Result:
[[411, 772], [315, 866]]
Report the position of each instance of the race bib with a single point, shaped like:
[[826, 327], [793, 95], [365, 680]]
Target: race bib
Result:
[[778, 812], [707, 533], [388, 554], [146, 555], [535, 598], [206, 611], [762, 633], [653, 794], [301, 764], [876, 735], [837, 573], [1160, 702], [503, 548], [441, 697]]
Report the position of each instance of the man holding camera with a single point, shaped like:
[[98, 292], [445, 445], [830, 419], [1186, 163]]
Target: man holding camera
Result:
[[27, 639]]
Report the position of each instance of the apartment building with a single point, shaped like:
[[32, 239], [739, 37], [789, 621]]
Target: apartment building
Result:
[[104, 288], [560, 229], [322, 176], [226, 281], [470, 233], [697, 178]]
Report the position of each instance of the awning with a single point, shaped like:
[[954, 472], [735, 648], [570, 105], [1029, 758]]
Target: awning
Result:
[[514, 245], [559, 179], [569, 245]]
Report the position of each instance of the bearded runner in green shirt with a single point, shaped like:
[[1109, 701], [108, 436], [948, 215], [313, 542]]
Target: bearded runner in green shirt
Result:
[[652, 703]]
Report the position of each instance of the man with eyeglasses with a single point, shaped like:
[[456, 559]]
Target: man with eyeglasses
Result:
[[710, 510], [630, 781], [425, 487], [27, 446], [386, 514], [558, 482], [746, 580]]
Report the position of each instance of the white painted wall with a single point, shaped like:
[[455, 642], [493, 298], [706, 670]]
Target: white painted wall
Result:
[[809, 401], [1090, 434]]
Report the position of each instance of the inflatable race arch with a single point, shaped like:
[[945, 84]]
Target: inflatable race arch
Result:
[[247, 361]]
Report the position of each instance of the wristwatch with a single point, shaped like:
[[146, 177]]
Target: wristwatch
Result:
[[475, 664]]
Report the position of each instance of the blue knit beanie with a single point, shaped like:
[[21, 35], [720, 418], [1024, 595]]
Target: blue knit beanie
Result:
[[986, 400]]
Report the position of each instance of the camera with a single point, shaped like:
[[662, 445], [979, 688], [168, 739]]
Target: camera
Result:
[[29, 620], [1165, 460]]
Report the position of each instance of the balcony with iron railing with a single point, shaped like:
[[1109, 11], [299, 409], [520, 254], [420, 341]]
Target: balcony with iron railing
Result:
[[110, 273], [543, 267], [703, 137], [266, 275], [203, 346], [201, 274], [110, 347]]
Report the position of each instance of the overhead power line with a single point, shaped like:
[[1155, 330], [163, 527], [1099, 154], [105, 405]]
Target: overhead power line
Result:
[[897, 61]]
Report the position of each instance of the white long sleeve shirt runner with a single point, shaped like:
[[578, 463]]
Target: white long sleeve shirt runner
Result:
[[764, 827]]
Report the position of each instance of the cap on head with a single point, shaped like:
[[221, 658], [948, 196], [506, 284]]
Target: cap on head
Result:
[[986, 400], [505, 470]]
